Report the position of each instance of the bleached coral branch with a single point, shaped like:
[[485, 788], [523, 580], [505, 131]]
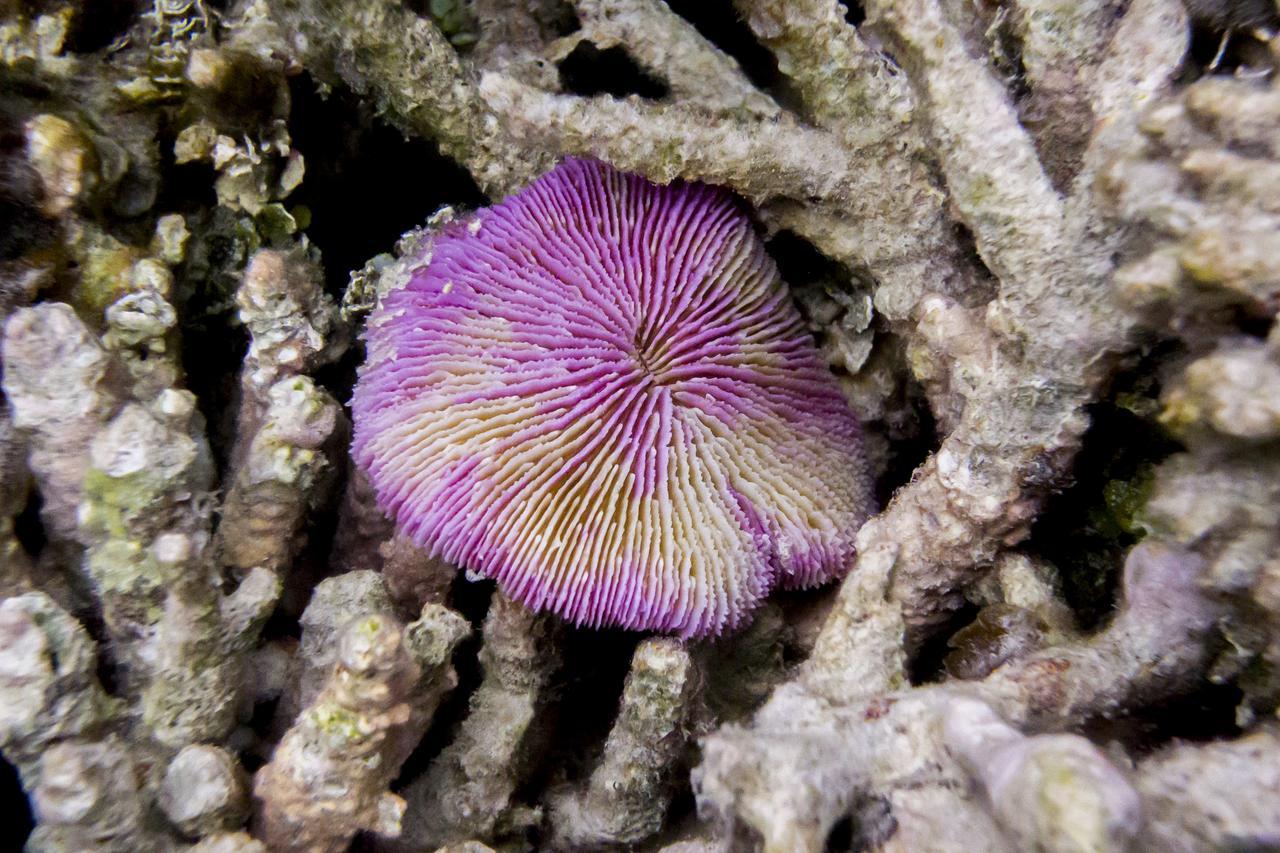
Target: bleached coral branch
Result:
[[381, 49], [57, 726], [90, 796], [762, 159], [467, 791], [293, 327], [56, 379], [626, 799], [334, 603], [283, 462], [1049, 792], [287, 471], [995, 179], [329, 777], [696, 71], [844, 84], [1060, 47], [807, 761], [1213, 796], [204, 791], [412, 576], [48, 684]]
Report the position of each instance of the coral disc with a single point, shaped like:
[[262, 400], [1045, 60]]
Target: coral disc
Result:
[[599, 393]]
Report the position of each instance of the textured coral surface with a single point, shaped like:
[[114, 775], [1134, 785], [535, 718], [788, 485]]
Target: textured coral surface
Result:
[[632, 311]]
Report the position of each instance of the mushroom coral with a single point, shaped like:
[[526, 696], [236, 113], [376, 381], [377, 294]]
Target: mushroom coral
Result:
[[599, 393]]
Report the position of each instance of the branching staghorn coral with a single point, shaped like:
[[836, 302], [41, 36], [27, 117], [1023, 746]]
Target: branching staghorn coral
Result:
[[60, 413], [205, 790], [696, 72], [51, 692], [287, 427], [142, 513], [334, 603], [414, 77], [1192, 794], [847, 752], [468, 790], [329, 776], [1012, 199], [627, 795], [89, 797], [59, 728]]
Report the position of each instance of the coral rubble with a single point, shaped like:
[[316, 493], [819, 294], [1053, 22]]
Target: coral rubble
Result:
[[1037, 242]]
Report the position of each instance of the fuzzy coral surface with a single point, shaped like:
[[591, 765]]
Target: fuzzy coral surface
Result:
[[599, 393]]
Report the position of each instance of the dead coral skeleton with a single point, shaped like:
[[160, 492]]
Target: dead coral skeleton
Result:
[[330, 775], [1012, 200]]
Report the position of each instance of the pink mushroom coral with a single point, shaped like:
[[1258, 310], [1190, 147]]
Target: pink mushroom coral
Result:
[[599, 393]]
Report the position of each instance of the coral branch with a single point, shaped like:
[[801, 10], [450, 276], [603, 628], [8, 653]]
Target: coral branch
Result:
[[1049, 792], [56, 727], [626, 799], [844, 84], [329, 777], [204, 791], [48, 683], [1213, 796], [363, 527], [286, 472], [56, 379], [414, 76], [467, 791], [293, 327], [412, 576], [90, 797], [996, 181], [807, 761], [762, 159], [334, 603], [1061, 44], [696, 71], [287, 430]]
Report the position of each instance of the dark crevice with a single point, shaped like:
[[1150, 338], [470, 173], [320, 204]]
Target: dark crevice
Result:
[[19, 820], [23, 226], [213, 350], [853, 12], [366, 184], [588, 71], [1087, 529], [800, 262], [558, 19], [187, 187], [472, 601], [27, 527], [101, 22], [969, 247], [840, 838], [911, 443], [911, 429], [1230, 33], [929, 663], [1208, 713], [587, 688], [719, 23]]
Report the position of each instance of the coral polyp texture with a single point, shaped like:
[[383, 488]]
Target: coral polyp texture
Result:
[[599, 393]]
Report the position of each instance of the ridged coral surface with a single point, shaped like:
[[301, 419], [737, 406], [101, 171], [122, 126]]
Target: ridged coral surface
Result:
[[599, 393]]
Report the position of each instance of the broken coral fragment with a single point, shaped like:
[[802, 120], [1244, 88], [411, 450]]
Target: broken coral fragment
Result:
[[600, 394]]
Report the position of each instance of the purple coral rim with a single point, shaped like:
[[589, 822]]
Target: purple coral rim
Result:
[[599, 393]]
